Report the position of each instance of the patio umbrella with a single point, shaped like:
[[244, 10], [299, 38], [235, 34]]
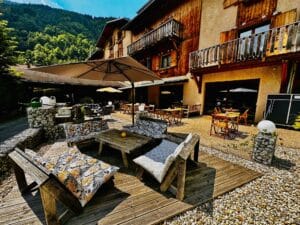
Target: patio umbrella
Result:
[[118, 69], [243, 90], [109, 90], [236, 90]]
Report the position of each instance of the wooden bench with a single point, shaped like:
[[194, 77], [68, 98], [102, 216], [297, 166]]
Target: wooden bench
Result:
[[51, 190], [191, 109], [83, 133], [179, 167]]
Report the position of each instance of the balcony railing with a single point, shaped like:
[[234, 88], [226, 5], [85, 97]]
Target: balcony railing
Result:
[[277, 41], [171, 28]]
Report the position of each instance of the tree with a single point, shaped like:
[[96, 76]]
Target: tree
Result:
[[8, 46]]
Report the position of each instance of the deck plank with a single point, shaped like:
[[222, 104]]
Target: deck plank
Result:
[[134, 202]]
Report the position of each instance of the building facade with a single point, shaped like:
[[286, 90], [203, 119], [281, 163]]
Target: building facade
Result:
[[163, 35], [252, 45], [113, 41], [206, 49]]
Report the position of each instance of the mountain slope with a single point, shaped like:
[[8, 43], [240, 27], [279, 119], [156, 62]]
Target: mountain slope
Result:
[[49, 35], [39, 2], [26, 18]]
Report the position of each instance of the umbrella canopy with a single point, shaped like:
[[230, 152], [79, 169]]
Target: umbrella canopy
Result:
[[109, 90], [235, 90], [118, 69]]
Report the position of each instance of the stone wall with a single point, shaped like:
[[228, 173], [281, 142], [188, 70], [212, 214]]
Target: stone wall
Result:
[[29, 138], [44, 117], [264, 148]]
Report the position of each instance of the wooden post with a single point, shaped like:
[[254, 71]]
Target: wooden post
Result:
[[133, 102], [20, 177], [196, 152], [169, 178], [125, 160], [49, 205], [140, 173], [181, 165], [100, 148]]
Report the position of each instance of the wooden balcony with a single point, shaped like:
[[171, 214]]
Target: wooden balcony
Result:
[[261, 46], [170, 29]]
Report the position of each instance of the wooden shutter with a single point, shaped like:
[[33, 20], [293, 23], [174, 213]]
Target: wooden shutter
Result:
[[255, 13], [228, 35], [228, 3], [284, 18], [282, 38]]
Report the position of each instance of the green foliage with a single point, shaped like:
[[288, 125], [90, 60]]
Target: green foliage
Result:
[[49, 36], [46, 49], [8, 45]]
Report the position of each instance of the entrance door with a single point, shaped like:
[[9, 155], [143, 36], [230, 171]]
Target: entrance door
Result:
[[239, 95]]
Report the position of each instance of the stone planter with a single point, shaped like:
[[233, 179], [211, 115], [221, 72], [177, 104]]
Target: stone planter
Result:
[[264, 148]]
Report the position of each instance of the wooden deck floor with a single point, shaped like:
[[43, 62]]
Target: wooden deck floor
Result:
[[132, 201]]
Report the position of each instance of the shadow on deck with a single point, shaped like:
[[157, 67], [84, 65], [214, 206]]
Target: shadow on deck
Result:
[[134, 202]]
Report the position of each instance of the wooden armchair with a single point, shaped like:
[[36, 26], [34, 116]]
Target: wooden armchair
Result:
[[243, 117], [59, 187], [219, 125], [168, 161]]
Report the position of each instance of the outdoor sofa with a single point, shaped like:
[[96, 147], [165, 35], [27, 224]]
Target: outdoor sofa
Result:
[[71, 178], [169, 160], [82, 133], [149, 127], [170, 157]]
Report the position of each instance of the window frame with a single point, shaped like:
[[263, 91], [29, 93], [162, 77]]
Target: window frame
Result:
[[169, 61]]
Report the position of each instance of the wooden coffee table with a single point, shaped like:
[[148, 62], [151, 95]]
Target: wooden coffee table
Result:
[[125, 145]]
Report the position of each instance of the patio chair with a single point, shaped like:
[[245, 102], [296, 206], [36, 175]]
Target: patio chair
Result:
[[219, 126], [243, 117], [169, 160], [71, 179], [217, 110]]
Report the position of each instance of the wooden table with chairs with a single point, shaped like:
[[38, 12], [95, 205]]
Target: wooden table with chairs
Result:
[[171, 115], [224, 124], [124, 141]]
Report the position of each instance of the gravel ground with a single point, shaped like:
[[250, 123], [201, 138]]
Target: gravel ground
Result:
[[272, 199]]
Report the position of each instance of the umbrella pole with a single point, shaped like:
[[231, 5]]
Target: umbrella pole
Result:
[[133, 102]]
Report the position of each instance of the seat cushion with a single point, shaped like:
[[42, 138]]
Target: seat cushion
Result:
[[80, 173], [158, 160]]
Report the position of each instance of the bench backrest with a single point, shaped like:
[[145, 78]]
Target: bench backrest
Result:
[[82, 129], [149, 127]]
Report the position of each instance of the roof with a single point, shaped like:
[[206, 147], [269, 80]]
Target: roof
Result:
[[149, 13], [108, 30], [45, 78], [168, 80]]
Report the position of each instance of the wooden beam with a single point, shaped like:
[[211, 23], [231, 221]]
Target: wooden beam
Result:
[[198, 79]]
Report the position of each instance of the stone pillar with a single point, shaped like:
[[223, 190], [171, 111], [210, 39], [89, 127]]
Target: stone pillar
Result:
[[264, 147]]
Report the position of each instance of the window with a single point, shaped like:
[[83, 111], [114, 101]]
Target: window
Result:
[[256, 30], [255, 44], [149, 63], [120, 36], [165, 61]]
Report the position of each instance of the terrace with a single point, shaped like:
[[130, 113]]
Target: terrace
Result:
[[168, 30], [134, 201], [266, 46]]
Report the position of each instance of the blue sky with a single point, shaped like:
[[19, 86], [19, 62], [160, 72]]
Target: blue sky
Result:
[[115, 8]]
